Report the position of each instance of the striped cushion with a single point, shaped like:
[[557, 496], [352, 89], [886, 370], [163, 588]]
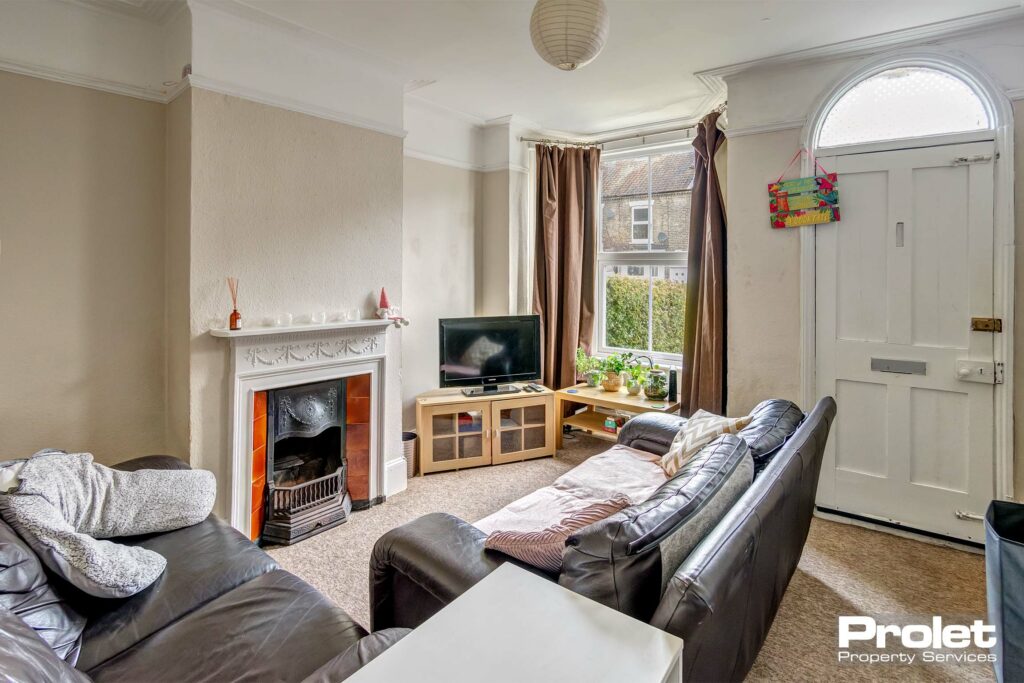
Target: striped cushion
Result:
[[544, 548], [697, 432]]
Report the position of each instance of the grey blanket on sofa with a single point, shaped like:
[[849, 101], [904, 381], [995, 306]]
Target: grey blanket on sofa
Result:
[[65, 504]]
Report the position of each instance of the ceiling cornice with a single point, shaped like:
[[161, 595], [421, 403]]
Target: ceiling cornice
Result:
[[471, 119], [773, 127], [85, 81], [158, 12], [307, 36], [291, 104], [868, 44]]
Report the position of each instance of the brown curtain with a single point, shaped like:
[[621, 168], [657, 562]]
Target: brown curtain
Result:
[[563, 291], [702, 386]]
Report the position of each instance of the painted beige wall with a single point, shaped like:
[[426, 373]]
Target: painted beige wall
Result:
[[763, 278], [307, 213], [494, 261], [441, 209], [177, 216], [81, 271]]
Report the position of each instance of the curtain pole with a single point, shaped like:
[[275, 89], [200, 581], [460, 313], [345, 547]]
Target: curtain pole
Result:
[[602, 141]]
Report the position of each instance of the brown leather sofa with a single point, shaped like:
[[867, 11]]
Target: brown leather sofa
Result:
[[222, 611], [721, 600]]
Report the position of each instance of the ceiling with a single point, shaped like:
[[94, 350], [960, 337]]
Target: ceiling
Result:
[[156, 11], [475, 56]]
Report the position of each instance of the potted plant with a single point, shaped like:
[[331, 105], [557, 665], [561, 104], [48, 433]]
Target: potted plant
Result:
[[588, 367], [635, 376], [613, 366]]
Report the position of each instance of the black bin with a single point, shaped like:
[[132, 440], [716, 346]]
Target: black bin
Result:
[[1004, 582]]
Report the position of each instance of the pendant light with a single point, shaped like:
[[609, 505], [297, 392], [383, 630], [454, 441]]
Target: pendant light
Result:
[[569, 33]]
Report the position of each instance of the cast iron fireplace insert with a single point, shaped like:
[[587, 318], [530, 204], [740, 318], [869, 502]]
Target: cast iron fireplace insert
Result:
[[307, 488]]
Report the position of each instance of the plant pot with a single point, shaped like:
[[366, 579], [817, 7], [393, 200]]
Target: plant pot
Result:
[[656, 387], [593, 378], [633, 388], [612, 381]]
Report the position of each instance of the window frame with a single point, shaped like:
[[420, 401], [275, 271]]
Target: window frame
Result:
[[651, 257], [633, 206]]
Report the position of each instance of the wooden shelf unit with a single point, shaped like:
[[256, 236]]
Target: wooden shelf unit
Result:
[[591, 420], [457, 431]]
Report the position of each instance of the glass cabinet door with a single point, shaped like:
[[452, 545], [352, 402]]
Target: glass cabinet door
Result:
[[458, 437], [522, 428]]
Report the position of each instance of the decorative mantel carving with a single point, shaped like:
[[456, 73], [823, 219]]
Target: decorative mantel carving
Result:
[[271, 348], [316, 350]]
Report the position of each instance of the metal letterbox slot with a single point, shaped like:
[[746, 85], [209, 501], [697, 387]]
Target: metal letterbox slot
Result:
[[900, 367]]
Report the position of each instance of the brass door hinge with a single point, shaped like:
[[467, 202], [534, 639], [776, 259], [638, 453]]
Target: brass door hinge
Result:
[[986, 325]]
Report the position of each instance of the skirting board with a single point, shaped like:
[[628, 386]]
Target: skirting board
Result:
[[394, 477], [902, 533]]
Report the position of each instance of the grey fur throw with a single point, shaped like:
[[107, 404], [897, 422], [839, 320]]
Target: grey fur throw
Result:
[[65, 503]]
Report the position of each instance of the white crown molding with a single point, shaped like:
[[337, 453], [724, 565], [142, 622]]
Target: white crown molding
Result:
[[505, 120], [281, 102], [512, 168], [418, 100], [1015, 94], [165, 96], [443, 161], [772, 127], [869, 44], [177, 89], [238, 9], [653, 128], [153, 12], [84, 80]]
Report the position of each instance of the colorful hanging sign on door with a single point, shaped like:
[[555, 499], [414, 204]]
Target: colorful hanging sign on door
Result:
[[804, 201]]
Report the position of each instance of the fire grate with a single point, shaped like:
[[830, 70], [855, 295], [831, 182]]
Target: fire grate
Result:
[[306, 480], [287, 501]]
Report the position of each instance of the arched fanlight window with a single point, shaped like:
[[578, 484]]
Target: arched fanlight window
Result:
[[903, 102]]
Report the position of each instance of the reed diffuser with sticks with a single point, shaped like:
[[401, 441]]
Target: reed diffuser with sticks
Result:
[[235, 321]]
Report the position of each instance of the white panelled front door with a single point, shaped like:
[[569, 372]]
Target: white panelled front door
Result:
[[898, 281]]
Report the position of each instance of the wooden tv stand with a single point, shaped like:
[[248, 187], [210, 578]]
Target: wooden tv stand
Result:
[[458, 431]]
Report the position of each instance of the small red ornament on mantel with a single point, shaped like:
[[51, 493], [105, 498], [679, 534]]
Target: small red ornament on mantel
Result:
[[386, 312], [235, 320]]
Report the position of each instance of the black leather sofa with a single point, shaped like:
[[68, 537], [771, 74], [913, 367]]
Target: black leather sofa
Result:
[[222, 611], [721, 600]]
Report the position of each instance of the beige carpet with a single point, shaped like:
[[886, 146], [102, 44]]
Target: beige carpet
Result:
[[844, 570]]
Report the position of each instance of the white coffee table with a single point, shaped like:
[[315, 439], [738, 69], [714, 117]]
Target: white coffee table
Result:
[[515, 627]]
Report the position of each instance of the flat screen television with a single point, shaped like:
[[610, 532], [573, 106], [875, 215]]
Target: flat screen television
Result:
[[489, 351]]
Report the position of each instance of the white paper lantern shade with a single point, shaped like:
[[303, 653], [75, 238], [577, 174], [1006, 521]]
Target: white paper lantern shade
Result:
[[569, 33]]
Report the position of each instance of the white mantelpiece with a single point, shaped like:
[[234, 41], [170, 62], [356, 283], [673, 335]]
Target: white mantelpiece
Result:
[[291, 329], [271, 357]]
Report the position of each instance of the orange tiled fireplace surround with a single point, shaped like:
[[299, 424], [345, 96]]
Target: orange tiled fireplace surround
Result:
[[310, 457]]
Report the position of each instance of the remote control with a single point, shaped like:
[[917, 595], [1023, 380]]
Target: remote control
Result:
[[528, 388], [536, 387]]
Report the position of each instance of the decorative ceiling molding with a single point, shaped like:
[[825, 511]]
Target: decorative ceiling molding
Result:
[[417, 100], [444, 161], [869, 44], [511, 168], [166, 95], [1015, 94], [774, 127], [310, 37], [153, 11], [282, 102], [86, 81]]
